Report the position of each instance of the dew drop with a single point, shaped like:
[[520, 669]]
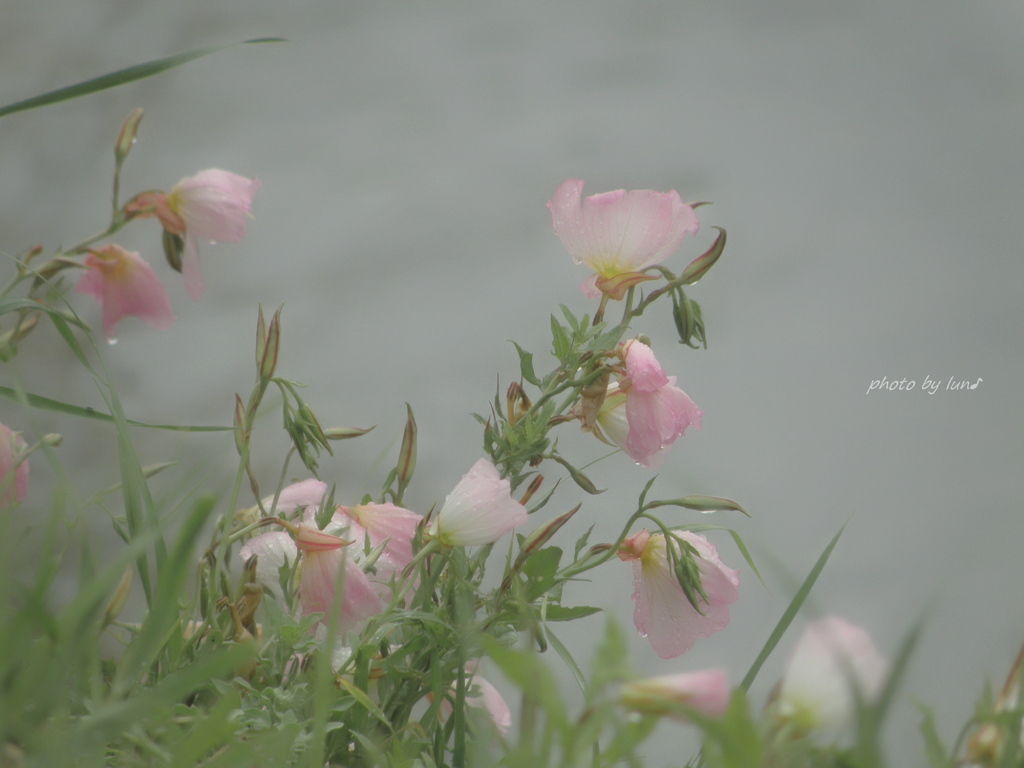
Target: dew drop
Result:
[[112, 340], [213, 242]]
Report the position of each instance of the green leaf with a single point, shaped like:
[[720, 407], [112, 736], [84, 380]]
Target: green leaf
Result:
[[569, 613], [46, 404], [526, 365], [540, 571], [559, 340], [120, 77], [790, 613]]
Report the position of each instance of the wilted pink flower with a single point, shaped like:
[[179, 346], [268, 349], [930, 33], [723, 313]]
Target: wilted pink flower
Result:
[[322, 558], [619, 234], [212, 205], [124, 284], [832, 659], [13, 469], [644, 411], [663, 613], [707, 692], [479, 510]]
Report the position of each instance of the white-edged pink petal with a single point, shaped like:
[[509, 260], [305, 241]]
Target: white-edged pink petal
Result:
[[619, 232], [832, 659], [275, 549], [479, 510]]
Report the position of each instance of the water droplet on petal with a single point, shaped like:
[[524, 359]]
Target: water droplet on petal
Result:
[[213, 242], [112, 340]]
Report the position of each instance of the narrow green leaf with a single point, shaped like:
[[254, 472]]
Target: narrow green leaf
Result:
[[56, 406], [790, 613], [566, 656], [569, 613], [120, 77]]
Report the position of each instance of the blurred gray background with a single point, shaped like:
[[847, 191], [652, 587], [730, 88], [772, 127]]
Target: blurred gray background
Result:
[[866, 158]]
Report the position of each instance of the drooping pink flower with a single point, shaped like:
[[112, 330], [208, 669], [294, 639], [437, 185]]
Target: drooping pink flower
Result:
[[13, 468], [662, 612], [619, 234], [644, 411], [479, 510], [706, 692], [323, 556], [212, 205], [832, 663], [124, 284]]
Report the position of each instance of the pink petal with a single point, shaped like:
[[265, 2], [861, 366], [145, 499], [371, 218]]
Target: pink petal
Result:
[[320, 579], [275, 550], [391, 523], [214, 203], [479, 510], [13, 482], [662, 612], [706, 691], [124, 284], [307, 494], [642, 367], [619, 231], [831, 659]]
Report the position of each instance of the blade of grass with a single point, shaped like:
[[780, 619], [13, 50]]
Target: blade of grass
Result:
[[790, 612], [120, 77]]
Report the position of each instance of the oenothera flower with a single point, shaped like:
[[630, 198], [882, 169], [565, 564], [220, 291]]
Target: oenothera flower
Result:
[[706, 692], [663, 613], [644, 411], [479, 510], [305, 494], [832, 664], [619, 234], [124, 284], [212, 205], [13, 468], [323, 556]]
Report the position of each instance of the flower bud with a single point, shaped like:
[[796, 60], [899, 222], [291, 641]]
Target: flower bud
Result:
[[345, 433], [119, 598], [174, 246], [241, 430], [268, 342], [517, 402], [699, 266], [407, 454], [705, 692], [126, 137]]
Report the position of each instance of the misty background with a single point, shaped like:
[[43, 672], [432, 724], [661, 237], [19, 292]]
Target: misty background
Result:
[[865, 157]]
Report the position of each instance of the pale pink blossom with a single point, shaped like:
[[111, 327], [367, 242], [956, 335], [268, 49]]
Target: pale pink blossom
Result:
[[275, 550], [706, 692], [479, 510], [305, 494], [644, 412], [619, 234], [832, 663], [482, 695], [387, 523], [323, 557], [124, 284], [13, 468], [212, 205], [662, 612]]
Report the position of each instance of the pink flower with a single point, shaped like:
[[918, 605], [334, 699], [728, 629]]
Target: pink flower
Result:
[[832, 659], [663, 613], [13, 469], [212, 205], [275, 549], [484, 696], [385, 523], [706, 692], [643, 412], [124, 284], [323, 556], [619, 234], [479, 510]]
